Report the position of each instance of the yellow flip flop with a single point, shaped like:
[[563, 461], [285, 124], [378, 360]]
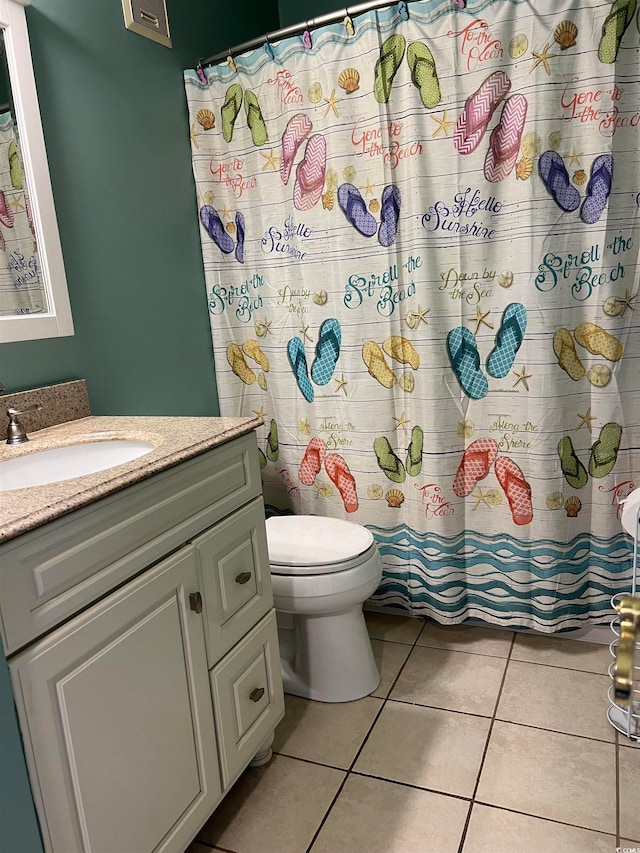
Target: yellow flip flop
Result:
[[598, 341], [402, 350], [254, 352], [377, 365], [239, 365], [565, 350]]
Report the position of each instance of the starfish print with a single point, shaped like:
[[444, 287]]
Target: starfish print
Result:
[[263, 328], [443, 124], [479, 319], [260, 413], [522, 377], [420, 316], [480, 497], [542, 57], [304, 331], [627, 301], [193, 133], [332, 101], [225, 212], [586, 420], [574, 159], [368, 188], [271, 159], [16, 203], [402, 421], [342, 383]]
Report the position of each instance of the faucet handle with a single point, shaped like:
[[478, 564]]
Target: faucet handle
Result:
[[13, 413], [15, 430]]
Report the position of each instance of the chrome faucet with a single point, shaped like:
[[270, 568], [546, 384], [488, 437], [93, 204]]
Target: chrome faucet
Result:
[[15, 430]]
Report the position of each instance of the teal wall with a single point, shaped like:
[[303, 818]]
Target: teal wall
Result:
[[294, 11], [115, 122]]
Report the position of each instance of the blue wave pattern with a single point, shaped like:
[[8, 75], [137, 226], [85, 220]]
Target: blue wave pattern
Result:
[[546, 585]]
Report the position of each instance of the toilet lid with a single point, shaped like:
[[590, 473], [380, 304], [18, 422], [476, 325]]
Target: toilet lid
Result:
[[307, 541]]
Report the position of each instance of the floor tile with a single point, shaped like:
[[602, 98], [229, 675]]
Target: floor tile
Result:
[[555, 651], [389, 657], [494, 830], [563, 700], [326, 732], [452, 680], [381, 817], [629, 842], [396, 629], [629, 793], [550, 775], [273, 809], [467, 638], [426, 747]]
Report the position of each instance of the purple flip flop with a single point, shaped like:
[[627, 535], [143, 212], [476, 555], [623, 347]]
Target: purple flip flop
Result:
[[240, 232], [214, 227], [389, 215], [598, 189], [556, 179], [355, 209]]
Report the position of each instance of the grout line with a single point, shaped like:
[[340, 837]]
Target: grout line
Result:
[[544, 818], [412, 786]]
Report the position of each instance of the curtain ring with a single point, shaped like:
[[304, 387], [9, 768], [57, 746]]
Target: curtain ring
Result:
[[306, 37], [201, 73], [403, 10], [268, 49]]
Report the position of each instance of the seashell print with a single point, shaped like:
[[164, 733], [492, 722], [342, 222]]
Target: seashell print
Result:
[[349, 174], [331, 179], [231, 227], [304, 426], [411, 320], [325, 490], [394, 497], [493, 497], [579, 177], [407, 382], [349, 80], [506, 279], [328, 200], [599, 375], [612, 306], [374, 205], [261, 329], [573, 506], [320, 297], [518, 46], [375, 492], [555, 500], [554, 140], [465, 428], [531, 145], [206, 119], [524, 168], [565, 34], [315, 93]]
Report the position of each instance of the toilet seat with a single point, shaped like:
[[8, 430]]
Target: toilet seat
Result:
[[314, 545]]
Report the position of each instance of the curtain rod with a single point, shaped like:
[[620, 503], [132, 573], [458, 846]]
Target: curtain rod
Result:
[[295, 29]]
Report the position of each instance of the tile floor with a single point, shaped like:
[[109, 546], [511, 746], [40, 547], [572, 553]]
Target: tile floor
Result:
[[476, 741]]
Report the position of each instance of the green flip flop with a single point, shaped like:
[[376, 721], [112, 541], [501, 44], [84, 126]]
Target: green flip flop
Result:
[[262, 459], [273, 448], [574, 471], [604, 452], [424, 74], [230, 109], [613, 29], [391, 55], [255, 119], [14, 166], [414, 452], [388, 461]]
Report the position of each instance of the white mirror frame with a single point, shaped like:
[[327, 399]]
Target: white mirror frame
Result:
[[57, 322]]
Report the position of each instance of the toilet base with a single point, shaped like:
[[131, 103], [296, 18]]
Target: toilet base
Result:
[[327, 658]]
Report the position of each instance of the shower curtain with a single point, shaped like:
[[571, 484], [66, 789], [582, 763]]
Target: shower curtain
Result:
[[420, 241]]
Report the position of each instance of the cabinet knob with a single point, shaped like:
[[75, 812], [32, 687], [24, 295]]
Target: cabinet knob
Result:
[[257, 694], [195, 602], [243, 577]]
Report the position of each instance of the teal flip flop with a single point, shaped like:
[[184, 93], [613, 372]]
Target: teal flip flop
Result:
[[508, 340], [327, 351], [465, 362], [298, 362]]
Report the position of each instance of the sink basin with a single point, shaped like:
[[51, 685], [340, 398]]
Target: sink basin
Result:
[[65, 463]]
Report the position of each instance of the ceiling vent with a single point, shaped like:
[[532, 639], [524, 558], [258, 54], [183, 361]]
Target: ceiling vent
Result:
[[147, 18]]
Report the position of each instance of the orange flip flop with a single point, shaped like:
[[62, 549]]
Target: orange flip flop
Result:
[[516, 488], [312, 461], [476, 462], [341, 476]]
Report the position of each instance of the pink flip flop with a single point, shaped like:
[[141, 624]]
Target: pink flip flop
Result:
[[475, 465], [475, 117], [516, 488], [341, 476], [295, 133], [504, 144], [312, 461], [310, 174]]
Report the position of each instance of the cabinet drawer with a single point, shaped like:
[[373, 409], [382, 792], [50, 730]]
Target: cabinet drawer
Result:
[[50, 573], [234, 569], [247, 696]]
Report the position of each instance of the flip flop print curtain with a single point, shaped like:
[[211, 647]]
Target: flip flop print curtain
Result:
[[420, 239]]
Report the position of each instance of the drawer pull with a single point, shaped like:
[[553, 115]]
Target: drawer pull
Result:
[[195, 602], [257, 694], [243, 577]]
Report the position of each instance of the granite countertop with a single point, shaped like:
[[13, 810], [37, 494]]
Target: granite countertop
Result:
[[175, 439]]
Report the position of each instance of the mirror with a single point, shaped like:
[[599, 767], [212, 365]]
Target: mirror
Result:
[[33, 290]]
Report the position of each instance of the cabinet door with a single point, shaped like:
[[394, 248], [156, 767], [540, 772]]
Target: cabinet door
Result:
[[117, 720]]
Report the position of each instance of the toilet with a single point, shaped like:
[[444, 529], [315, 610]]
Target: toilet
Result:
[[322, 572]]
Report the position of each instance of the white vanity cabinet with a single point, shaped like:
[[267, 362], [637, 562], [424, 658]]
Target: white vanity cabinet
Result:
[[143, 652]]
